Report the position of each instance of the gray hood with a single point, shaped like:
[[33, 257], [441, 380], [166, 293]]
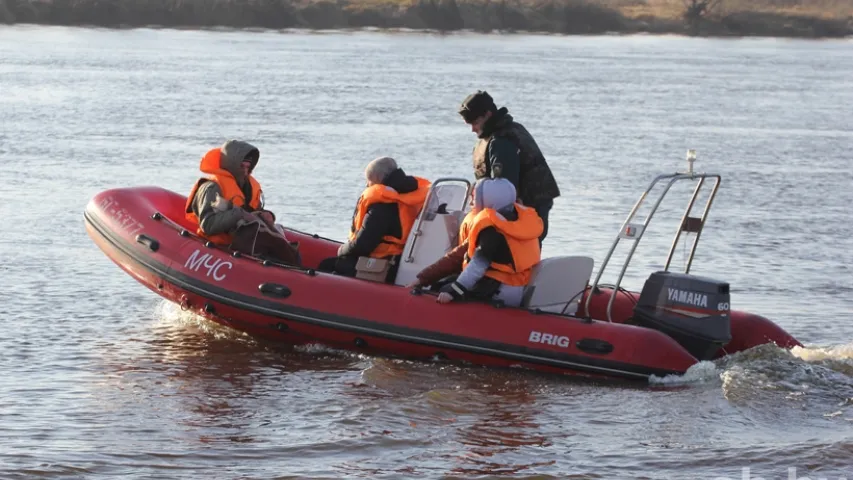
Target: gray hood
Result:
[[497, 193], [233, 153]]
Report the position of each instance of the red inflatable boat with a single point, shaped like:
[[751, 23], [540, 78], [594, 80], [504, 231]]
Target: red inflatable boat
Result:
[[566, 325]]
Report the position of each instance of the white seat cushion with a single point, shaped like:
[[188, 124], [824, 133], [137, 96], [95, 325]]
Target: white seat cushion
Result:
[[558, 283]]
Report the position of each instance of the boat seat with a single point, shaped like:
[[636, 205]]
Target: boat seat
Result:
[[438, 232], [558, 284]]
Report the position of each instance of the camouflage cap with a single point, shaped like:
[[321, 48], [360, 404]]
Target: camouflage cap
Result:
[[476, 105]]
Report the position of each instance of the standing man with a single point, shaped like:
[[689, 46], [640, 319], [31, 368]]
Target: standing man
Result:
[[506, 149]]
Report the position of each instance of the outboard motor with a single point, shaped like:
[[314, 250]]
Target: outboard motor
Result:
[[694, 311]]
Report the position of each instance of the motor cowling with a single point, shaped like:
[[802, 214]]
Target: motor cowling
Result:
[[693, 310]]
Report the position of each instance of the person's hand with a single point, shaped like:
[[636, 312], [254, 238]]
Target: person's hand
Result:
[[444, 297], [416, 283]]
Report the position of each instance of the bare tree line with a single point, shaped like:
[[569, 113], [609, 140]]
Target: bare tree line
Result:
[[700, 17], [697, 10]]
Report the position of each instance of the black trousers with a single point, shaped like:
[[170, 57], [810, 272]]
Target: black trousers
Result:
[[543, 209]]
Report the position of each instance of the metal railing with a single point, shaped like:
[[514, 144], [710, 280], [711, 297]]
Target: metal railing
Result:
[[635, 232]]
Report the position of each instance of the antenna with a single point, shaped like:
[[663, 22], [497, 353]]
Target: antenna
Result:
[[691, 157]]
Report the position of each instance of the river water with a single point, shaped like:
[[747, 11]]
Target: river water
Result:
[[102, 378]]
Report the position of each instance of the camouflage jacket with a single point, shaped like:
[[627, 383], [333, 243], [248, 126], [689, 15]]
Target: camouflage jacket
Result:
[[536, 183]]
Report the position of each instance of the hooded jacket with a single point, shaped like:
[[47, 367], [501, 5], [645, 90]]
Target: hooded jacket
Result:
[[498, 195], [499, 229], [216, 214], [381, 219]]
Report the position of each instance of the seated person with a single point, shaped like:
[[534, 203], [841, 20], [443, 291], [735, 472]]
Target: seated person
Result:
[[226, 206], [383, 217], [498, 248]]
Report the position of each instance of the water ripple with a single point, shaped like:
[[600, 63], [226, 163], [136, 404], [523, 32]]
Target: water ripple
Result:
[[102, 378]]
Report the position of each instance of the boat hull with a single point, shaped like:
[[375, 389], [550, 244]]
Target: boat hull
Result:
[[143, 231]]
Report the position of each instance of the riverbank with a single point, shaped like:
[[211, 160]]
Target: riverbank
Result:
[[781, 18]]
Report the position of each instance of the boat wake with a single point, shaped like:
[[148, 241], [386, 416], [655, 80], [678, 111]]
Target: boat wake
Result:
[[817, 379]]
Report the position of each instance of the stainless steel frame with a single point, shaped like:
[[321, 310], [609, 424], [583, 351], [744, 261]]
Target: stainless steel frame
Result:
[[686, 224]]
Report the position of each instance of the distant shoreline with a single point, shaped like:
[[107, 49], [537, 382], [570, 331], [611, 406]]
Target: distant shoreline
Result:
[[564, 17]]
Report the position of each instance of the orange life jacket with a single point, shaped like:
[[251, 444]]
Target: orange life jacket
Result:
[[211, 164], [465, 227], [522, 237], [408, 204]]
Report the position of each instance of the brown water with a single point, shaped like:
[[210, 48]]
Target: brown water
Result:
[[101, 378]]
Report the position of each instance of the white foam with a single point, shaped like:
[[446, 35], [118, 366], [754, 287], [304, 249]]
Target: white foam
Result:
[[170, 313], [315, 349], [698, 373], [814, 354]]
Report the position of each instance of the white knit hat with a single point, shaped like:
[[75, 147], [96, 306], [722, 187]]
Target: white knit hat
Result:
[[379, 168]]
